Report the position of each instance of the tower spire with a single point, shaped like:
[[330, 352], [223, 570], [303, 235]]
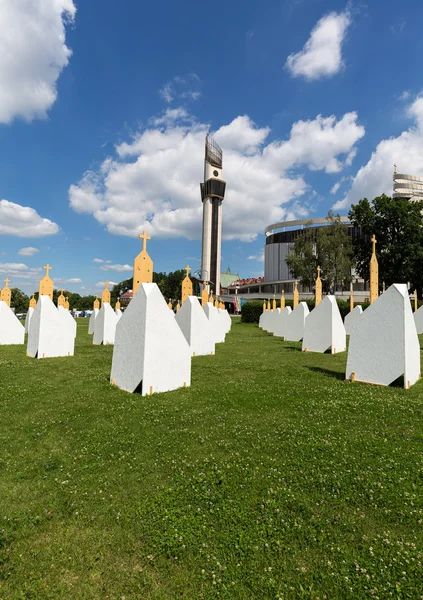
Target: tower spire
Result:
[[212, 195]]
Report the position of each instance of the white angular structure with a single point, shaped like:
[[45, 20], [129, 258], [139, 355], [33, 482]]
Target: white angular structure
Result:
[[28, 318], [92, 321], [384, 344], [11, 329], [48, 337], [272, 320], [279, 329], [196, 327], [118, 314], [352, 318], [67, 320], [294, 327], [217, 326], [418, 320], [262, 320], [151, 353], [324, 328], [105, 325], [226, 319]]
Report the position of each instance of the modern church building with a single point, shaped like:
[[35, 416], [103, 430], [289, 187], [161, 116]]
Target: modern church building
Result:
[[281, 236], [407, 187]]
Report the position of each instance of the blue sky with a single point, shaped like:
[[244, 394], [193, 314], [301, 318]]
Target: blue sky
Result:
[[105, 106]]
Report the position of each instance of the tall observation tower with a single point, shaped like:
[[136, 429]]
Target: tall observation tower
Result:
[[212, 194]]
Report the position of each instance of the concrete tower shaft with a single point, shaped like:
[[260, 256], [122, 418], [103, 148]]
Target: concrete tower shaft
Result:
[[212, 195]]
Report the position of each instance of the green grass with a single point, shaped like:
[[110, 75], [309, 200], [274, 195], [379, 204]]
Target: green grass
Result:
[[270, 477]]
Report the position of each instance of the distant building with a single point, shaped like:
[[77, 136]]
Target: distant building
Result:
[[226, 279], [407, 187], [126, 298]]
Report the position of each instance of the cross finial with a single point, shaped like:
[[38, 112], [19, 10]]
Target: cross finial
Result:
[[187, 269], [318, 271], [96, 296], [61, 291], [47, 268], [144, 237], [373, 240], [6, 281]]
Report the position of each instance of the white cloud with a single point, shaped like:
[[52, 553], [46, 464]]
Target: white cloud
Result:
[[322, 53], [17, 272], [24, 221], [153, 181], [257, 257], [98, 260], [181, 88], [405, 151], [319, 144], [119, 268], [101, 284], [28, 251], [33, 53], [64, 280]]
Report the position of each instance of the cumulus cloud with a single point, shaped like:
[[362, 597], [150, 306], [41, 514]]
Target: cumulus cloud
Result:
[[322, 53], [153, 180], [20, 272], [118, 268], [24, 221], [28, 251], [33, 53], [98, 260], [405, 151]]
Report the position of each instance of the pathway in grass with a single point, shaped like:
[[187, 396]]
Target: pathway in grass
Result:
[[270, 477]]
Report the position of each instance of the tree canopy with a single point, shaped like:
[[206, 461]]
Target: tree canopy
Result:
[[328, 247], [398, 227]]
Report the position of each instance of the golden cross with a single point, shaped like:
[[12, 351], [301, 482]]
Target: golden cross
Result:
[[6, 281], [96, 296], [47, 268], [144, 237], [61, 291], [318, 271], [106, 283], [187, 269], [296, 284], [373, 240]]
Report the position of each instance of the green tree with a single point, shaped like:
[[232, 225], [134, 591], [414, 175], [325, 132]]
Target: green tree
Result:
[[19, 301], [302, 259], [328, 247], [398, 227], [334, 254]]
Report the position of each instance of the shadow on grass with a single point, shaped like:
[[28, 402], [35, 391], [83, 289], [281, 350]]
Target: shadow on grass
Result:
[[293, 348], [334, 374]]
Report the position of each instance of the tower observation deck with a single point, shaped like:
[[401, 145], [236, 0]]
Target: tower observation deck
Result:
[[212, 195], [407, 187]]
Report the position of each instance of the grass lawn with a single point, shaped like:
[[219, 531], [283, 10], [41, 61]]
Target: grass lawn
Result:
[[270, 477]]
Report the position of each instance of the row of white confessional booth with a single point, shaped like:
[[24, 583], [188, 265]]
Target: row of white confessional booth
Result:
[[383, 344], [51, 329], [153, 346]]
